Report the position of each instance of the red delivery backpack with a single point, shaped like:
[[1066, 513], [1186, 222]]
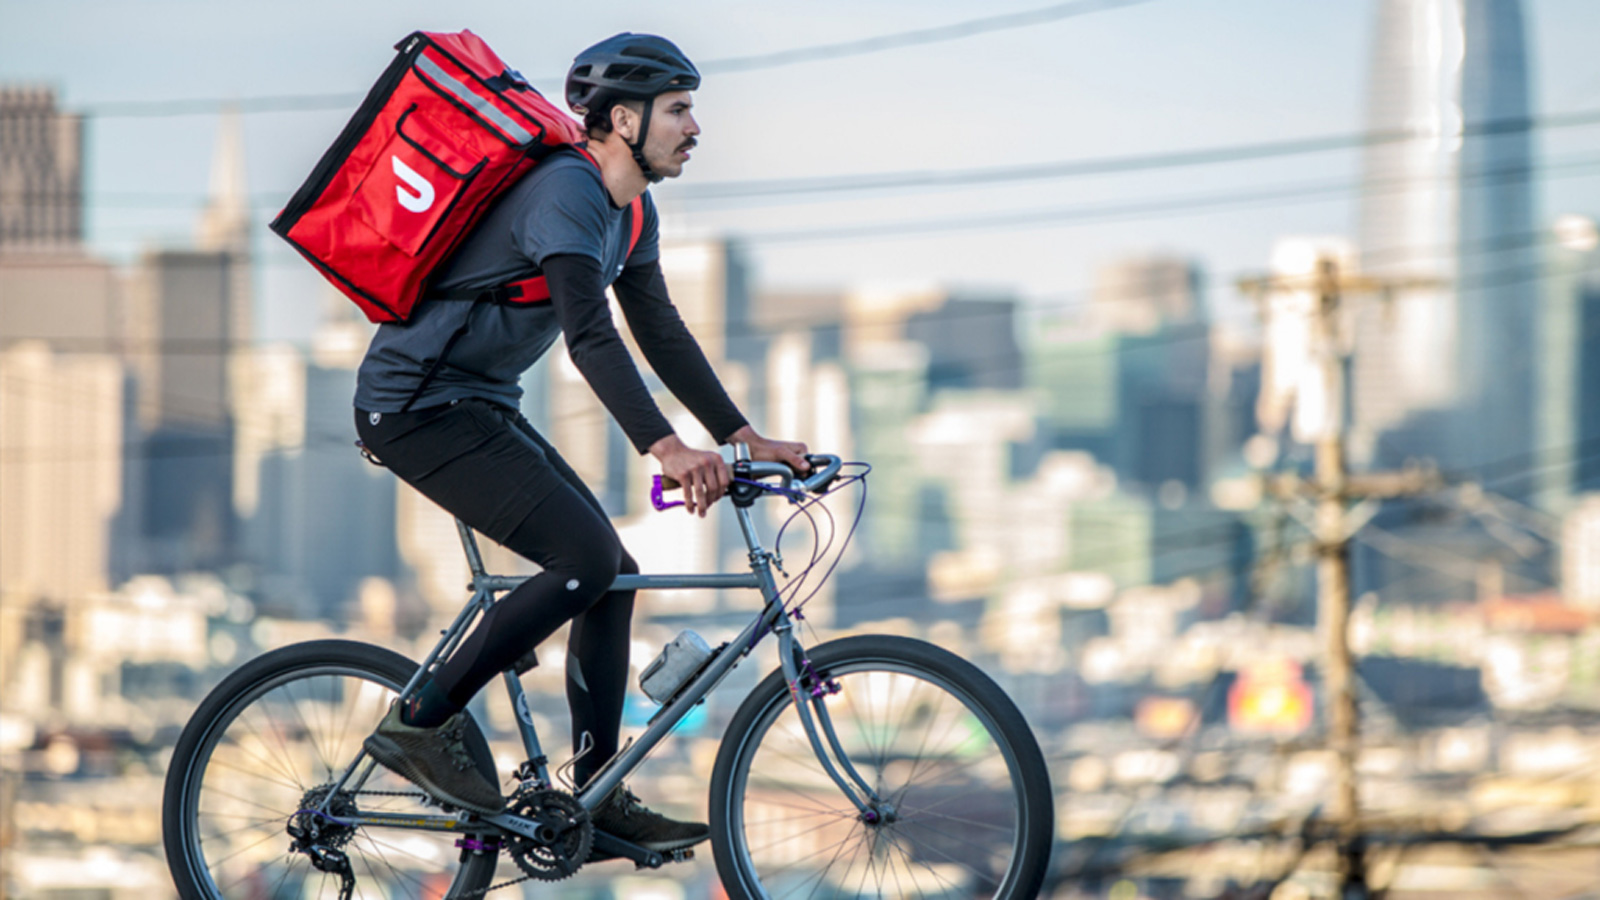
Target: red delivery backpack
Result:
[[446, 130]]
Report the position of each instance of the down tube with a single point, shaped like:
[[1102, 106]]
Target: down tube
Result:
[[625, 762]]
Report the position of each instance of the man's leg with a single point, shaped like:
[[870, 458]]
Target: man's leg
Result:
[[468, 459], [597, 685], [597, 676]]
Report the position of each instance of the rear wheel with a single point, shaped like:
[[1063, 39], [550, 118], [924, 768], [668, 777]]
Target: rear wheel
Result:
[[969, 810], [265, 746]]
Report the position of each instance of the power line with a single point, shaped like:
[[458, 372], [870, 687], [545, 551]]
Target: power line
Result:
[[840, 50], [811, 187], [1148, 343], [1117, 164], [1080, 215], [937, 34]]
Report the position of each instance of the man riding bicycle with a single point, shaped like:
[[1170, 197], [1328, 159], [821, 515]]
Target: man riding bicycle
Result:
[[452, 429]]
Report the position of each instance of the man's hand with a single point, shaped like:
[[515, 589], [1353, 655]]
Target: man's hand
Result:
[[793, 453], [703, 474]]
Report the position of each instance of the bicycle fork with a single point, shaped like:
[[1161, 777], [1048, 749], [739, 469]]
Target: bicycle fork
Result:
[[809, 692]]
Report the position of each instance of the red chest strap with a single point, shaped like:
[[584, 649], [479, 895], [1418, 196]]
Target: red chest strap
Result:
[[535, 290]]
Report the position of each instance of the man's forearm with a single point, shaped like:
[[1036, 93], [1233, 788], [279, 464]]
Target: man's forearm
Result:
[[673, 352]]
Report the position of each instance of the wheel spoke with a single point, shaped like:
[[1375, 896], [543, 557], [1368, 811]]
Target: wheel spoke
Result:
[[273, 740], [938, 742]]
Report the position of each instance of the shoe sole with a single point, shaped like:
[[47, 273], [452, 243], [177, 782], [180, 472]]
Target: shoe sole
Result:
[[389, 755]]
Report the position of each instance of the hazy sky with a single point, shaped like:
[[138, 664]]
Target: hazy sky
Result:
[[1151, 77]]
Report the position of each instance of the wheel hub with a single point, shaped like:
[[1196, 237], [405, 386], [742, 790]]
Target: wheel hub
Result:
[[882, 813], [313, 826]]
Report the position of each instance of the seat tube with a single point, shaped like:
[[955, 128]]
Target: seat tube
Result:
[[469, 545], [530, 735]]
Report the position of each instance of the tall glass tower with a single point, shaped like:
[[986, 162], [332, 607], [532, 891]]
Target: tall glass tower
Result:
[[1448, 372]]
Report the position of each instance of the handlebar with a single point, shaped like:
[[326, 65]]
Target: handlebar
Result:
[[824, 469]]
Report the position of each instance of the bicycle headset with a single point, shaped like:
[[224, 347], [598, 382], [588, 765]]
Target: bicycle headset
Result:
[[629, 66]]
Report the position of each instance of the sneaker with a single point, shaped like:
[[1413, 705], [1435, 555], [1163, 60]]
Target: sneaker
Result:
[[621, 815], [436, 759]]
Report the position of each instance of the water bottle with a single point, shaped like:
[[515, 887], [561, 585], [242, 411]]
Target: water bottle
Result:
[[679, 661]]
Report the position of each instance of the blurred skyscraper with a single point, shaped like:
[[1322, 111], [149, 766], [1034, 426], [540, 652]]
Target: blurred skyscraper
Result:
[[318, 518], [1443, 371], [188, 316], [1568, 366], [41, 171], [1139, 296], [1129, 382], [62, 388]]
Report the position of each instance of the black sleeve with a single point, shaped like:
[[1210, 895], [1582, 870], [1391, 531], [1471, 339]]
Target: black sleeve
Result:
[[673, 352], [597, 350]]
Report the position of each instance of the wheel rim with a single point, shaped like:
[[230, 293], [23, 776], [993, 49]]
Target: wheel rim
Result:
[[926, 747], [264, 752]]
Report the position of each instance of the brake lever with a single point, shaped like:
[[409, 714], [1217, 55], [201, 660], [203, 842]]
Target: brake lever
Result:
[[658, 497], [820, 478]]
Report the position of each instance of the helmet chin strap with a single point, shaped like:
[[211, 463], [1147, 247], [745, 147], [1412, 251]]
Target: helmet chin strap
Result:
[[638, 146]]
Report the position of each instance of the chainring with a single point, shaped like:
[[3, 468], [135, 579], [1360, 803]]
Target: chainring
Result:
[[564, 819]]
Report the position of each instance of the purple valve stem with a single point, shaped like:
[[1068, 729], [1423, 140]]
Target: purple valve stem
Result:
[[657, 498]]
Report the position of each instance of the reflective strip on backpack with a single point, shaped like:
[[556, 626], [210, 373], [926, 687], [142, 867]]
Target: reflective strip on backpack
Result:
[[480, 105]]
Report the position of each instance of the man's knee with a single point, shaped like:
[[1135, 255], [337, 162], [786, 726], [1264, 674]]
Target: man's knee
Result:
[[593, 574]]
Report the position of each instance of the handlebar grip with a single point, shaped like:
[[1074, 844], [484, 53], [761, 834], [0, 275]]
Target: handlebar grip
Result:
[[824, 469]]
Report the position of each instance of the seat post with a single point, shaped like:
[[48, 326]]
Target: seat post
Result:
[[469, 544]]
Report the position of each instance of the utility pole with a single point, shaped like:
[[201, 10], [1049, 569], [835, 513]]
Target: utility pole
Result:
[[1335, 504]]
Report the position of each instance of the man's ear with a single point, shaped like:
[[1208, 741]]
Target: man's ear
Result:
[[624, 122]]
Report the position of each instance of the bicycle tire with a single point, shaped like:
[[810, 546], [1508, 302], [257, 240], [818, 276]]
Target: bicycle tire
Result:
[[276, 743], [780, 827]]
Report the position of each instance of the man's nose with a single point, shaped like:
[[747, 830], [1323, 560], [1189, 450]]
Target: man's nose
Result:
[[694, 127]]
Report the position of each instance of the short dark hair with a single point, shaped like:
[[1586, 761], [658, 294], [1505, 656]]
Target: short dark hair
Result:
[[598, 121]]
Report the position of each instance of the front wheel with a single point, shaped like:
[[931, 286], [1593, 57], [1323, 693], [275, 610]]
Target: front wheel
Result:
[[970, 809], [265, 746]]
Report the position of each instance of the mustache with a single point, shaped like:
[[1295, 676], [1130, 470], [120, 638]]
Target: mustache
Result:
[[690, 144]]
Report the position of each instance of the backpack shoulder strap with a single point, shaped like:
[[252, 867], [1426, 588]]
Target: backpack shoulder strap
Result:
[[534, 289]]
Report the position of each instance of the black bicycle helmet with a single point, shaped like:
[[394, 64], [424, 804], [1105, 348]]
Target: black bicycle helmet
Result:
[[629, 66]]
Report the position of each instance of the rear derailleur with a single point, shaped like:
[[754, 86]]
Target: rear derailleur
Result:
[[320, 835]]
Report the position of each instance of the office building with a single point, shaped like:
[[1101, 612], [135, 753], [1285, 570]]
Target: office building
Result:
[[188, 319], [41, 172], [61, 431], [1568, 369], [1452, 204]]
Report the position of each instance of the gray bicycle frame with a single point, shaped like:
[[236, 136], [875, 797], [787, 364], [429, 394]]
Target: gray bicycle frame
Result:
[[804, 686]]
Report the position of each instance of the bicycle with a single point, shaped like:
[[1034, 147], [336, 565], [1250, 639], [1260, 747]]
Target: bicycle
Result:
[[867, 765]]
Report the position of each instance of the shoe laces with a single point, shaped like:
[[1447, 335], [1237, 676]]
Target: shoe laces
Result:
[[630, 804], [455, 745]]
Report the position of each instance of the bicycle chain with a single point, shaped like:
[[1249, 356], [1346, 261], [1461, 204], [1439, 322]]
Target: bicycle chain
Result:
[[426, 799]]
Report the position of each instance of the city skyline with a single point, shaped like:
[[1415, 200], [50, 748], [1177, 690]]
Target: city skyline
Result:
[[1090, 460]]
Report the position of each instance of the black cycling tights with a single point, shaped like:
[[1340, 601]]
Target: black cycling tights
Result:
[[487, 465], [580, 556]]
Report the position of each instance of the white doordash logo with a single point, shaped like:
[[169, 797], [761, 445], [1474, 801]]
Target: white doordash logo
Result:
[[423, 198]]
